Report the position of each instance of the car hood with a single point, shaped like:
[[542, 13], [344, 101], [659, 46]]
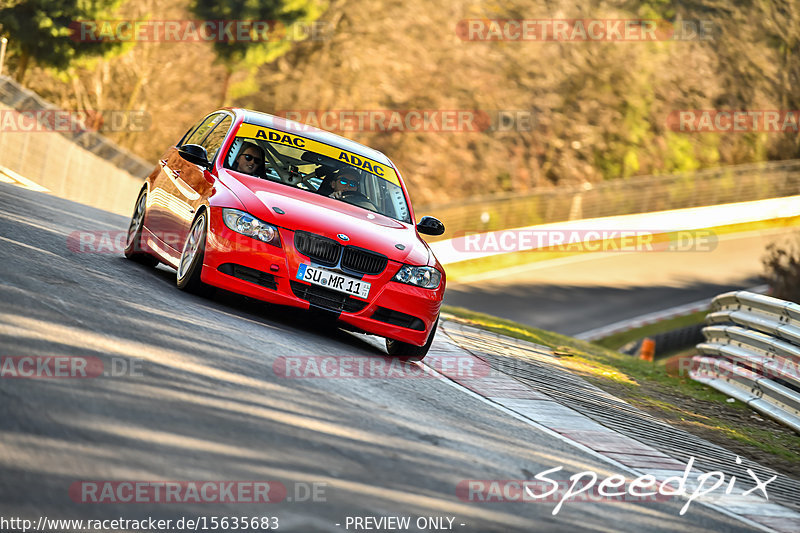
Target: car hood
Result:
[[308, 211]]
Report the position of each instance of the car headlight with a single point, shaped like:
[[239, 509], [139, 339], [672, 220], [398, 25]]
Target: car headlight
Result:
[[247, 224], [421, 276]]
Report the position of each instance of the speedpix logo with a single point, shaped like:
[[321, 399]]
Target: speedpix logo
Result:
[[588, 486]]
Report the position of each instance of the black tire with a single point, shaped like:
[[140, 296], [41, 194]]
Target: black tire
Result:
[[133, 243], [191, 264], [410, 352]]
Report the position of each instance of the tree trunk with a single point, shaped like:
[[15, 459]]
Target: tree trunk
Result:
[[225, 84], [22, 67], [125, 136]]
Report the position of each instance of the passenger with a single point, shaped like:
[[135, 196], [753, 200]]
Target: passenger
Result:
[[250, 160]]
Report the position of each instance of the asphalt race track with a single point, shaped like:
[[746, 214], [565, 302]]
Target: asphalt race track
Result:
[[597, 289], [205, 403]]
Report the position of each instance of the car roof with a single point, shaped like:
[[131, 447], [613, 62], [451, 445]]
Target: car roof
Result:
[[310, 132]]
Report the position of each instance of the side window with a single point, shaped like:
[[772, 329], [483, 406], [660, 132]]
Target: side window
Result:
[[186, 135], [198, 134], [214, 139], [185, 138]]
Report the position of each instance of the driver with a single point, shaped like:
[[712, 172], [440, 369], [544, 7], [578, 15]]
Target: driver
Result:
[[346, 181]]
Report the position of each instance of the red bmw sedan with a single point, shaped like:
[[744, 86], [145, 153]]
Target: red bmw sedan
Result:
[[292, 215]]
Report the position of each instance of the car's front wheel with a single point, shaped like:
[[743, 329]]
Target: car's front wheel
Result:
[[192, 258], [133, 243], [410, 352]]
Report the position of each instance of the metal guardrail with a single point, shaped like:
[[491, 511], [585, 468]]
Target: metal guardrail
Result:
[[752, 353]]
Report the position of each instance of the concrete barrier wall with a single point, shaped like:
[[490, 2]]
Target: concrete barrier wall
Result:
[[589, 231], [67, 169], [641, 194], [73, 163]]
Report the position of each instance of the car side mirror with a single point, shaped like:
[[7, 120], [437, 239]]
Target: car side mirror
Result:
[[194, 153], [430, 226]]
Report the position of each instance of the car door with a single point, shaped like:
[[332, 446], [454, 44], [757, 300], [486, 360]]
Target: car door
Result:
[[198, 180], [179, 198]]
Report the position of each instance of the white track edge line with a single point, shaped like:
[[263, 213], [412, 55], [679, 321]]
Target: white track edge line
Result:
[[586, 449]]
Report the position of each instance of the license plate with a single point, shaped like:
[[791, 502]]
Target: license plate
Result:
[[338, 282]]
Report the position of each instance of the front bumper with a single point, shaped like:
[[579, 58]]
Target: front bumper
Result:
[[259, 270]]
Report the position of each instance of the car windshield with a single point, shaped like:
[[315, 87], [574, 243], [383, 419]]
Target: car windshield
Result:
[[317, 167]]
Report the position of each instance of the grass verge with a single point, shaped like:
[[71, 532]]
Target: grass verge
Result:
[[617, 340], [660, 389]]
